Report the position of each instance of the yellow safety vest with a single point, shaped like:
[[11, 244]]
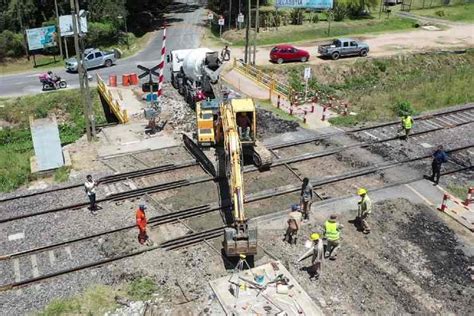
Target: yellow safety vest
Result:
[[331, 231], [406, 122]]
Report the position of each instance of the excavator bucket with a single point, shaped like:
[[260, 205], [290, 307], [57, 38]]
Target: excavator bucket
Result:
[[238, 242]]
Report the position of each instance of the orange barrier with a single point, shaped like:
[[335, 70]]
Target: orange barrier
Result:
[[112, 80], [125, 80], [133, 79]]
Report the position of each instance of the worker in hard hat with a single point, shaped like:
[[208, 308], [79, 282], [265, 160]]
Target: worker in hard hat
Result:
[[364, 210], [318, 255], [141, 221], [294, 222], [306, 198], [332, 233]]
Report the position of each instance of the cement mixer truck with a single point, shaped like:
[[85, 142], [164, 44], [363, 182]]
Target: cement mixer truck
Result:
[[194, 72]]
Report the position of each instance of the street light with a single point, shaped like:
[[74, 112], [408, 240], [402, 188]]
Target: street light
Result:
[[120, 17]]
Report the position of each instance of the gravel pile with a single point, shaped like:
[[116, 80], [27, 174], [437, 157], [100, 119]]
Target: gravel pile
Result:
[[180, 116], [268, 124]]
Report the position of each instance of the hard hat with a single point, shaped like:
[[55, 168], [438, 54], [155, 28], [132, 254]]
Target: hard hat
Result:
[[242, 256], [314, 236], [142, 207], [361, 191], [295, 207]]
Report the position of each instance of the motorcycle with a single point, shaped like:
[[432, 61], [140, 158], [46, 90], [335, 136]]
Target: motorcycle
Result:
[[55, 83]]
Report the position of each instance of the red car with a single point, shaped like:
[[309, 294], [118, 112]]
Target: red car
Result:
[[282, 53]]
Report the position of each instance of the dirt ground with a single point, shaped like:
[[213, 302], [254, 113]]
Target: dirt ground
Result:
[[458, 35], [410, 263]]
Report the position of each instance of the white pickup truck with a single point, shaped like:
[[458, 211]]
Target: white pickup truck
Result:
[[93, 58]]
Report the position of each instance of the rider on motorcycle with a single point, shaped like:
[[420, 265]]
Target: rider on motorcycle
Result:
[[51, 78]]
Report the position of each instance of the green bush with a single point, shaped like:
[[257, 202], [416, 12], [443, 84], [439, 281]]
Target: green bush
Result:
[[403, 107], [11, 45], [440, 13], [101, 34]]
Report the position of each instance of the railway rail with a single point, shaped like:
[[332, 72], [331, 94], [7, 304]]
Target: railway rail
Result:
[[197, 237], [186, 182], [430, 123]]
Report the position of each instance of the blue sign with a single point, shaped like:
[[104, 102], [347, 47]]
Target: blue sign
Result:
[[151, 96], [310, 4], [41, 37]]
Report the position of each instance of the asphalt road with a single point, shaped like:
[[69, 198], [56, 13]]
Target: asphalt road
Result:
[[184, 31]]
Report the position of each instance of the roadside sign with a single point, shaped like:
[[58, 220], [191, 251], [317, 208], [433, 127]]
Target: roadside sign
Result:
[[151, 97], [240, 18], [221, 21], [149, 86], [148, 71], [210, 16], [307, 73], [41, 37]]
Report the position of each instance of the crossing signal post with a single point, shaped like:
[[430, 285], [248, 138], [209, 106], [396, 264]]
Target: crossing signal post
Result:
[[154, 109]]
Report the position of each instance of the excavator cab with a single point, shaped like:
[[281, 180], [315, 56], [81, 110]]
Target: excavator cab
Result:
[[246, 120]]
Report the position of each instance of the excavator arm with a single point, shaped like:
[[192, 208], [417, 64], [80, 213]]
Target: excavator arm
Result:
[[239, 239]]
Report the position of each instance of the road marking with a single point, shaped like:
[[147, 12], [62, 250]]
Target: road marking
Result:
[[16, 236], [52, 257], [68, 251], [419, 195]]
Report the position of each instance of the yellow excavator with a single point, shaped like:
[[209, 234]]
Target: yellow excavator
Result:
[[217, 126]]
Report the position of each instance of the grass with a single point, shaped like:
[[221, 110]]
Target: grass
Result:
[[23, 64], [16, 65], [311, 31], [141, 289], [16, 146], [61, 174], [463, 12], [459, 191], [99, 299]]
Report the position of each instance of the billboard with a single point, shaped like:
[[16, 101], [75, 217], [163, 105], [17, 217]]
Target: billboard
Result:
[[66, 27], [310, 4], [41, 37]]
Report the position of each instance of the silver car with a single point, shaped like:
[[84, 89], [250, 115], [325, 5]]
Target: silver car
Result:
[[93, 58]]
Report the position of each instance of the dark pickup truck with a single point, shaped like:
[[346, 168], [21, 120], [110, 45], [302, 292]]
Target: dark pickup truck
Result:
[[343, 47]]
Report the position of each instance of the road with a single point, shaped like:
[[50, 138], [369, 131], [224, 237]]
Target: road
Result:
[[184, 31]]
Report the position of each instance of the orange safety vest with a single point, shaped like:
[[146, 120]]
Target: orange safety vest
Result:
[[141, 219]]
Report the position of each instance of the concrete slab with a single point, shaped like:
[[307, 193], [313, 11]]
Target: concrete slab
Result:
[[128, 100], [252, 301], [46, 142], [127, 138]]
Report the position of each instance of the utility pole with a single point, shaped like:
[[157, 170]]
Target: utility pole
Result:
[[249, 20], [58, 37], [23, 31], [80, 67], [230, 12], [255, 33]]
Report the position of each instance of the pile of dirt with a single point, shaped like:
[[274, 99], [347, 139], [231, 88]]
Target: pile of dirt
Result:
[[268, 124], [178, 114], [410, 263]]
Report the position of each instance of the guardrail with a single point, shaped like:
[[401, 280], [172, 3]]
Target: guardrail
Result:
[[114, 106], [263, 79]]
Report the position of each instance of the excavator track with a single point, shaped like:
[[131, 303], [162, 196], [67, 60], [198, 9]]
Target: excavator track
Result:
[[262, 157]]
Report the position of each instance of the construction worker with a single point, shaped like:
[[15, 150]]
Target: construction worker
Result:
[[364, 210], [306, 196], [332, 233], [439, 157], [318, 255], [141, 224], [90, 186], [244, 124], [225, 53], [294, 223], [407, 124]]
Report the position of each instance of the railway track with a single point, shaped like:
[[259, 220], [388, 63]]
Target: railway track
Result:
[[137, 192], [49, 251], [424, 124]]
